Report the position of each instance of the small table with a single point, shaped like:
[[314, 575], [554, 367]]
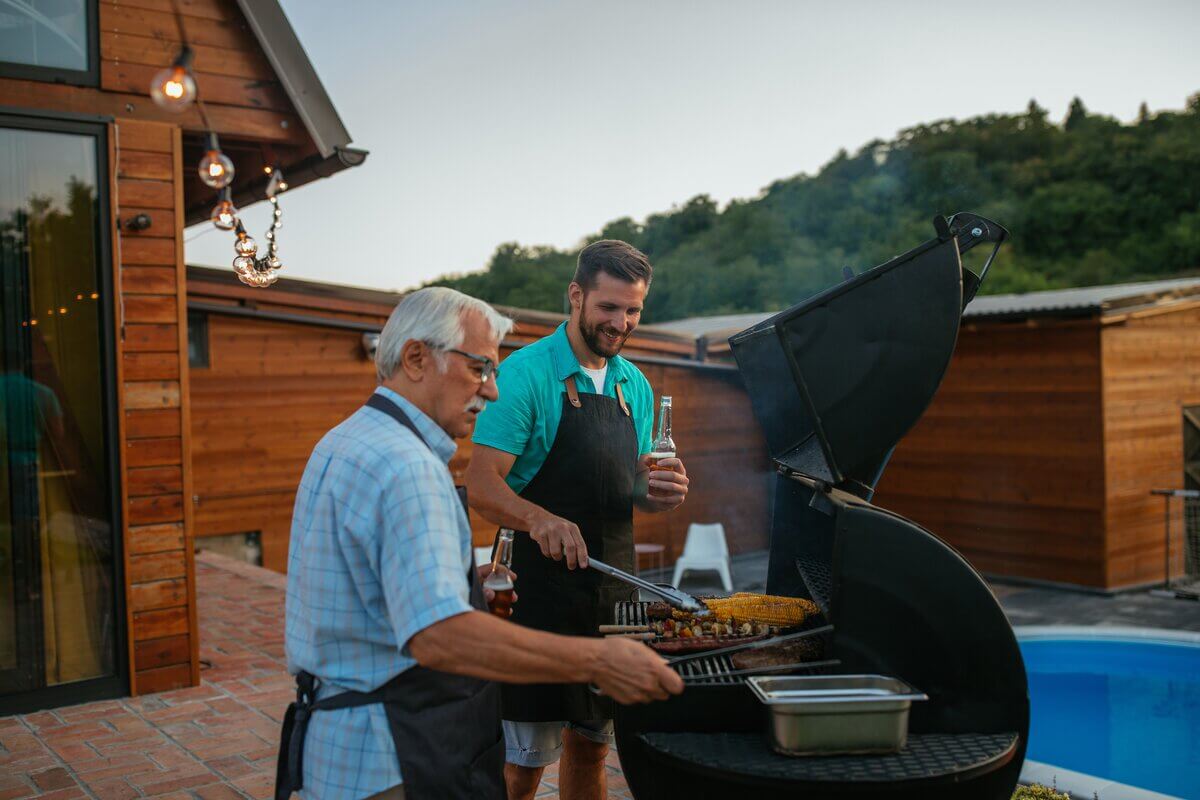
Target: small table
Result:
[[655, 551]]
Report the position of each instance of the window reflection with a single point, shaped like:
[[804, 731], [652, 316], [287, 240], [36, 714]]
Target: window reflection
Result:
[[44, 33], [57, 620]]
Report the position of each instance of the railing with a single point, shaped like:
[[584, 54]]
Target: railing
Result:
[[1189, 524]]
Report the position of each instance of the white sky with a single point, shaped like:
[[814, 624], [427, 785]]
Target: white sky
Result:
[[540, 121]]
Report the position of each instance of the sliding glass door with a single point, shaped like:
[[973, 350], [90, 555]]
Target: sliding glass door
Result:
[[60, 612]]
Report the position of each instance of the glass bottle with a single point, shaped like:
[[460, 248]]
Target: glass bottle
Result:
[[499, 580], [664, 445]]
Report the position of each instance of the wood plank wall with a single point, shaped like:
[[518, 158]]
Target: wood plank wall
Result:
[[1151, 372], [242, 95], [152, 347], [1007, 465], [273, 389]]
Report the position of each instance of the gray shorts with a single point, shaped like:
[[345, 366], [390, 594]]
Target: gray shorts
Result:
[[539, 744]]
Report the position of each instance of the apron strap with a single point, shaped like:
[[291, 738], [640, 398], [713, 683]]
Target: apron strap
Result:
[[572, 391], [621, 399]]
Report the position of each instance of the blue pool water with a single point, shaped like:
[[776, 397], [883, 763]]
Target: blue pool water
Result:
[[1123, 709]]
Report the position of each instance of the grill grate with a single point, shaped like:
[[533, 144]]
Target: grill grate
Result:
[[708, 671]]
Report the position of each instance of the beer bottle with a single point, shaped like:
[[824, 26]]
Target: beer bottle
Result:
[[499, 580], [664, 445]]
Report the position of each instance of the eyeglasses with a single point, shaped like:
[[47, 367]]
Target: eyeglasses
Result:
[[488, 369]]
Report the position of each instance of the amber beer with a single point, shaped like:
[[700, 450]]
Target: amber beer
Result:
[[499, 580], [664, 445]]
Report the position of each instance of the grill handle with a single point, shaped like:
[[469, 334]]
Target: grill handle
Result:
[[711, 676]]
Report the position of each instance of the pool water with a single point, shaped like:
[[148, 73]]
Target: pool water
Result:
[[1123, 709]]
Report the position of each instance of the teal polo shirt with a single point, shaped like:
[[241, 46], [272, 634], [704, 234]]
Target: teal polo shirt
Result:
[[524, 421]]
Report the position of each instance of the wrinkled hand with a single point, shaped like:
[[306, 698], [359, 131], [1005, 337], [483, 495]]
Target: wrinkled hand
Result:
[[559, 538], [629, 672], [482, 571], [667, 487]]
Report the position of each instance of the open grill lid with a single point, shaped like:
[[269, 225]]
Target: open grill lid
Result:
[[837, 380]]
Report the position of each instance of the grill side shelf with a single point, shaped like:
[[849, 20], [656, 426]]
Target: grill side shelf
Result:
[[930, 757]]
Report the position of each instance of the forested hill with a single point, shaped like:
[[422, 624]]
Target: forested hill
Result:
[[1088, 201]]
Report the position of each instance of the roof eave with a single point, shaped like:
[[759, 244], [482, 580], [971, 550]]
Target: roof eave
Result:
[[297, 75]]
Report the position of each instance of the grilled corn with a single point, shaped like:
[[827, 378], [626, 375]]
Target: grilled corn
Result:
[[784, 612]]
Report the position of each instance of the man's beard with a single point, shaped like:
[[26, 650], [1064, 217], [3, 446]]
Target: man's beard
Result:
[[597, 341]]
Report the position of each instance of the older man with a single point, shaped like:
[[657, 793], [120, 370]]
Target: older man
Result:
[[387, 630]]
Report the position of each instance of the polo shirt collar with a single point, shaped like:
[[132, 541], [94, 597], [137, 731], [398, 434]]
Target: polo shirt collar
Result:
[[439, 441], [566, 364]]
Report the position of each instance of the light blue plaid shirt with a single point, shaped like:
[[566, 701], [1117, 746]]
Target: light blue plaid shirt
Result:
[[380, 549]]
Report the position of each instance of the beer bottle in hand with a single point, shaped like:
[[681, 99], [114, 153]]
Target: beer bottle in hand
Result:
[[664, 445], [499, 580]]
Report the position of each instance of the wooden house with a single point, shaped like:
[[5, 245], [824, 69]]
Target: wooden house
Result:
[[96, 185]]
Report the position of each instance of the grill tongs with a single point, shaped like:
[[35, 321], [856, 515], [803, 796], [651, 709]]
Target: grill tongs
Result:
[[675, 597]]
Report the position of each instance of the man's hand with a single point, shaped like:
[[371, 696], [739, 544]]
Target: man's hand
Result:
[[482, 571], [630, 672], [559, 538], [667, 486]]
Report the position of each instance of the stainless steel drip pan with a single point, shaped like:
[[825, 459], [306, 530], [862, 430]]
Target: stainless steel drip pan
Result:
[[836, 714]]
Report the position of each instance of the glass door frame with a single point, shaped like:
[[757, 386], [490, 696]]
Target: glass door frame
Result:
[[117, 684]]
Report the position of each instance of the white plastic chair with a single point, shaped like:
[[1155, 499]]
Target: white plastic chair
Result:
[[483, 555], [705, 548]]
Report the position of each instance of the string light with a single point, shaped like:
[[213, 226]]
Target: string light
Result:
[[224, 215], [216, 170], [251, 268], [174, 88]]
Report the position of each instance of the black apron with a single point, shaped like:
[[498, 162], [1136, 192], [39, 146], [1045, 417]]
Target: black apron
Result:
[[587, 478], [446, 728]]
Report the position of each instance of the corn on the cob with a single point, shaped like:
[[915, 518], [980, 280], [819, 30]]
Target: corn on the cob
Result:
[[762, 608]]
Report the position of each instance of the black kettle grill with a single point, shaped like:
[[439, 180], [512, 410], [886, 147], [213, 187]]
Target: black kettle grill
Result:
[[835, 382]]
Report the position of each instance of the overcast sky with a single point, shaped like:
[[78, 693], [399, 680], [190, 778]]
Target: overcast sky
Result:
[[540, 121]]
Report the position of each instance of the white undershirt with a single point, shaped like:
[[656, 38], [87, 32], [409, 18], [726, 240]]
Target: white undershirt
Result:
[[597, 376]]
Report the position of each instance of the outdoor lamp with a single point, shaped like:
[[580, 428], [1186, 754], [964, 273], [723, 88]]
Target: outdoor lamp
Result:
[[224, 215], [216, 170], [174, 88]]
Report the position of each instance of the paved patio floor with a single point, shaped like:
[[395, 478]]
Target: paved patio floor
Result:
[[219, 740]]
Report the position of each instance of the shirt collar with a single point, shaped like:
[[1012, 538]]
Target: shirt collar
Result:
[[439, 441], [566, 364]]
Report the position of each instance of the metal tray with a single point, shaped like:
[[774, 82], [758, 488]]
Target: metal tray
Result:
[[832, 714]]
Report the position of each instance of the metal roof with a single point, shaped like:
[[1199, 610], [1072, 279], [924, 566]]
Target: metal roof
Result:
[[1082, 301]]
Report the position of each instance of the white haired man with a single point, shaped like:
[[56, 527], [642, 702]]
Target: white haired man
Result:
[[387, 630]]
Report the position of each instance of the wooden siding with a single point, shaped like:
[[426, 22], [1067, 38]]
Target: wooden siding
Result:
[[1007, 465], [272, 389], [1151, 372], [152, 347]]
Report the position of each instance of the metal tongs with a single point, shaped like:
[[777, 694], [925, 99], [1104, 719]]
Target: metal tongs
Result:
[[674, 597]]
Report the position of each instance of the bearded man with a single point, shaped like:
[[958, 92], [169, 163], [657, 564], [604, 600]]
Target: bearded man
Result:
[[561, 458]]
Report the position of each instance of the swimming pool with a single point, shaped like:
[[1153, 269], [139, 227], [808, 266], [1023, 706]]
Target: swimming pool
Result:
[[1120, 704]]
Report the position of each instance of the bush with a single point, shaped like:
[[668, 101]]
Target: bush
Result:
[[1038, 792]]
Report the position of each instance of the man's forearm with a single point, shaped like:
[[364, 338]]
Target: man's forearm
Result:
[[484, 646], [492, 497]]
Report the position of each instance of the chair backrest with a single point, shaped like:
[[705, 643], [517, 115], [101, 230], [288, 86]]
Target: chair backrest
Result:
[[706, 540]]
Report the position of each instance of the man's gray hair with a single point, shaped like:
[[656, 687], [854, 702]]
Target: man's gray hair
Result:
[[433, 315]]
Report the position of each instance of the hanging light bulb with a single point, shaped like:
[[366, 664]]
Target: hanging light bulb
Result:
[[174, 88], [224, 215], [216, 170]]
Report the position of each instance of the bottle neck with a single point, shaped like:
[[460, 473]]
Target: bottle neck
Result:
[[503, 556], [664, 422]]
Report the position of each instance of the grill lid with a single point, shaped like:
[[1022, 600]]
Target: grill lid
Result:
[[837, 380]]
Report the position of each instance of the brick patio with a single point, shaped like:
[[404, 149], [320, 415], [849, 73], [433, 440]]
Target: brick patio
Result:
[[212, 742]]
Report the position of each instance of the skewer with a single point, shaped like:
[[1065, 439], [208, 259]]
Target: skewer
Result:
[[737, 648], [641, 637], [624, 628]]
